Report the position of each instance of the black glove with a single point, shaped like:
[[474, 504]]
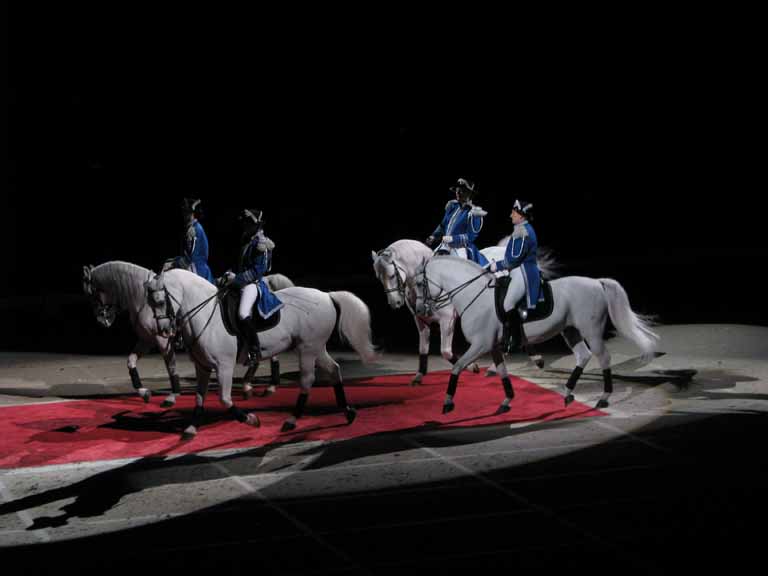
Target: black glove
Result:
[[431, 241]]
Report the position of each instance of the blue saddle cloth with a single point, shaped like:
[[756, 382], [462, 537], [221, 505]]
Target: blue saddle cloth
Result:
[[268, 303]]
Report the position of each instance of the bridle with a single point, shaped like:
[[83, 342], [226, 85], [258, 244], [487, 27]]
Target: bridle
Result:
[[176, 320], [444, 297], [401, 287]]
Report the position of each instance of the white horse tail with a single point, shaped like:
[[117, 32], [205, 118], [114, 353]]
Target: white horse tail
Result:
[[634, 326], [354, 323], [548, 264]]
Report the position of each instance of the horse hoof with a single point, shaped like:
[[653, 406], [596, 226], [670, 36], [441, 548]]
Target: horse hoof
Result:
[[351, 414], [416, 380], [602, 403], [253, 420], [448, 408], [167, 404], [503, 409], [569, 399], [539, 362], [247, 393], [490, 372], [475, 368], [288, 426], [267, 392], [189, 433], [146, 396]]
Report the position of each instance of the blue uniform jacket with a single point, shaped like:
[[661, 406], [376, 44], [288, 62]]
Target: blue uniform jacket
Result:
[[255, 262], [196, 251], [463, 223], [521, 251]]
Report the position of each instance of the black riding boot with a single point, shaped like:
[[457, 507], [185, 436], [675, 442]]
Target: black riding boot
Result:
[[513, 331], [252, 341]]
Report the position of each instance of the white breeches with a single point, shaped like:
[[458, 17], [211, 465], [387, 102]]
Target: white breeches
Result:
[[247, 298], [516, 289]]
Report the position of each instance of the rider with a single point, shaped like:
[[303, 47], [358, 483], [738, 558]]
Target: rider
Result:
[[255, 262], [520, 260], [461, 224], [195, 247]]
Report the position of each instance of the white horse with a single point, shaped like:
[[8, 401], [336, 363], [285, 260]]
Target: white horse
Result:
[[396, 267], [117, 286], [581, 308], [184, 301]]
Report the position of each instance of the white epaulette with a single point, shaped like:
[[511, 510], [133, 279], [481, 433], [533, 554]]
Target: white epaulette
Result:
[[265, 244], [520, 231], [477, 211], [450, 203]]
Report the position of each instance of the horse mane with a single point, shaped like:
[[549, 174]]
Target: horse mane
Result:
[[404, 248], [472, 266], [188, 277], [126, 281]]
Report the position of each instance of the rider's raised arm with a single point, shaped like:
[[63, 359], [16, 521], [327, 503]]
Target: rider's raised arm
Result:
[[474, 225]]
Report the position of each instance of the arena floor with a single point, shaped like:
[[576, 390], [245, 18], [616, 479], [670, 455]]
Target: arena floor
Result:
[[669, 477]]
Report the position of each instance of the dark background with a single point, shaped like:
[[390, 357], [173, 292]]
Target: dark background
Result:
[[648, 176]]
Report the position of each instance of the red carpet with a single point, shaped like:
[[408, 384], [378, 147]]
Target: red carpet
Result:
[[125, 427]]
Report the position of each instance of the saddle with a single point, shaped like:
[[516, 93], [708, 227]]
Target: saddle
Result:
[[544, 306], [230, 304]]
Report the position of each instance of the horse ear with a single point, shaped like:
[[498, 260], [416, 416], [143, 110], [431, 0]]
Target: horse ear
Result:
[[373, 255]]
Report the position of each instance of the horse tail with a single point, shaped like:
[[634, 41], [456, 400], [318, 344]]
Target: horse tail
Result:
[[636, 327], [547, 263], [354, 322]]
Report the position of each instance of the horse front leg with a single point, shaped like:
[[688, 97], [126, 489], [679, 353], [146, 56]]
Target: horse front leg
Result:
[[138, 351], [477, 348], [501, 369], [447, 325], [169, 357], [203, 379], [224, 375], [424, 332]]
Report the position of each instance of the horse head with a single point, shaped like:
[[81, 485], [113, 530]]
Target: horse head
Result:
[[104, 309], [391, 276]]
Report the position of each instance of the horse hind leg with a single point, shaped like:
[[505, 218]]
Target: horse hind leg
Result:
[[597, 345], [274, 377], [332, 367], [576, 343], [307, 367]]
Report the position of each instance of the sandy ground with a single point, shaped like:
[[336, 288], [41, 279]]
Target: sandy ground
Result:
[[360, 506]]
